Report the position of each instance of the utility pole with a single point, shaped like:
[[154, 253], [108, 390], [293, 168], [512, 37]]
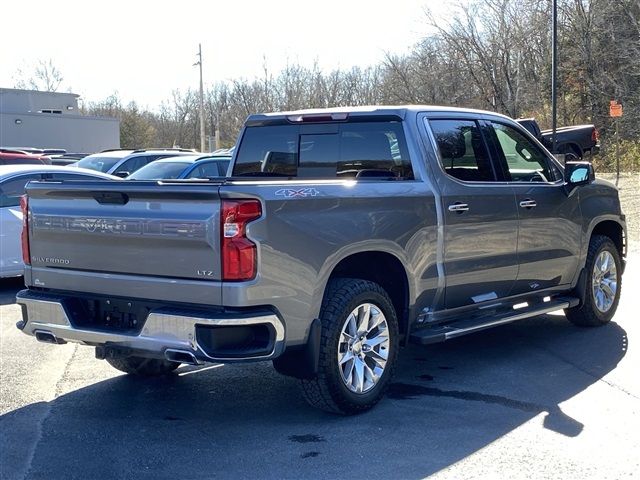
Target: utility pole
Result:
[[217, 131], [202, 134], [554, 73]]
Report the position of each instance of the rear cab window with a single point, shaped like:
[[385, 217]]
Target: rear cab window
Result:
[[345, 150]]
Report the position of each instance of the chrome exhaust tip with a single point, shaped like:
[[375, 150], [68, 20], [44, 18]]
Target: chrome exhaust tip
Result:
[[180, 356], [47, 337]]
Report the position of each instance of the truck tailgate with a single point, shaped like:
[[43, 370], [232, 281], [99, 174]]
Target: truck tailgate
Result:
[[126, 228]]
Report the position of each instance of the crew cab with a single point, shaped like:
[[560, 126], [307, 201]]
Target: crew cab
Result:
[[340, 236]]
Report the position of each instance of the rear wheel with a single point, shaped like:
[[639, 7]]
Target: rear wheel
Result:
[[143, 367], [602, 287], [358, 348]]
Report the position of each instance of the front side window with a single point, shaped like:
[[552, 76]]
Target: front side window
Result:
[[524, 161], [463, 154], [357, 150]]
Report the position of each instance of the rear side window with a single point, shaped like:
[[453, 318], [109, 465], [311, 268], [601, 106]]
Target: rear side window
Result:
[[136, 163], [347, 150], [217, 168], [463, 154]]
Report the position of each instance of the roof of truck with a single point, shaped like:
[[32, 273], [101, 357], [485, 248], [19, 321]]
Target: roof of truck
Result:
[[382, 110]]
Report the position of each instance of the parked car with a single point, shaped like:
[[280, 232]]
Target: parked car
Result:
[[186, 166], [67, 158], [577, 141], [339, 236], [26, 150], [123, 163], [23, 158], [13, 179], [13, 150]]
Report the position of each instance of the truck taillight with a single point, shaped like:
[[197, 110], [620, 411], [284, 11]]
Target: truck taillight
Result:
[[239, 254], [24, 236], [595, 135]]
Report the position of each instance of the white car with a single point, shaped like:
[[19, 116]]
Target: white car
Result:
[[13, 179]]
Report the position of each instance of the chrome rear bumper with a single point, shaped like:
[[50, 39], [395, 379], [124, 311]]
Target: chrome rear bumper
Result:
[[45, 317]]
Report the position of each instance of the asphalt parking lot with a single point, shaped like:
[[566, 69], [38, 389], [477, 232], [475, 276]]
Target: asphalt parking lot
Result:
[[537, 399]]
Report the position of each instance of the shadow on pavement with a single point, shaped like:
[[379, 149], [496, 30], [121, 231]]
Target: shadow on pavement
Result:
[[8, 289], [245, 421]]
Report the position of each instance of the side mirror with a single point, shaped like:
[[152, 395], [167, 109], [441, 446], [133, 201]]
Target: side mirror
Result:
[[122, 174], [578, 173]]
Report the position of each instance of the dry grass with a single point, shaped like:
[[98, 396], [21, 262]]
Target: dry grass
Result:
[[629, 186]]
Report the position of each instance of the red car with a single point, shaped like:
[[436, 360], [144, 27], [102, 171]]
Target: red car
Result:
[[21, 158]]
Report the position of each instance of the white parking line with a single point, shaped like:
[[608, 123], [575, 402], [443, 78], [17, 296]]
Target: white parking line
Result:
[[201, 369]]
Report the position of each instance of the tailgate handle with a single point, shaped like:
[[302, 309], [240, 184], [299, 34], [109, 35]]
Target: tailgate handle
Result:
[[111, 198]]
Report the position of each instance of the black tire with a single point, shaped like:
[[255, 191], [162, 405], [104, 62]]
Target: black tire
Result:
[[143, 367], [587, 314], [327, 391], [572, 153]]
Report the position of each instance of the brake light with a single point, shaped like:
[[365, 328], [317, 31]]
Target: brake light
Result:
[[239, 254], [24, 236], [317, 117], [595, 135]]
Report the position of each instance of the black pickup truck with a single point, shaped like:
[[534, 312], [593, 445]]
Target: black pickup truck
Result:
[[579, 140]]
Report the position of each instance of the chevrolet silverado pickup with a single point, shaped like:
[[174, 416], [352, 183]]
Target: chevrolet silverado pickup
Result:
[[339, 236]]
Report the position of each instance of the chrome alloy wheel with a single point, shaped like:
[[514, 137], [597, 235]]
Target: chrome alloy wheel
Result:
[[604, 281], [363, 348]]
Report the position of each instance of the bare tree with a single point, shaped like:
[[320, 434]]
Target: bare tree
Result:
[[45, 77], [491, 54]]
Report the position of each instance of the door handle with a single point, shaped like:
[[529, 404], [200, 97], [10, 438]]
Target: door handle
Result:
[[528, 203], [459, 207]]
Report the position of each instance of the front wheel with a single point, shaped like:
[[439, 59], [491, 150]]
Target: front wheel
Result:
[[358, 348], [602, 287]]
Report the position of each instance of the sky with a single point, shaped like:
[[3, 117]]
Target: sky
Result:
[[145, 49]]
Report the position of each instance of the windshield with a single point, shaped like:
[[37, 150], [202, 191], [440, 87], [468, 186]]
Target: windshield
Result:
[[101, 164], [159, 171]]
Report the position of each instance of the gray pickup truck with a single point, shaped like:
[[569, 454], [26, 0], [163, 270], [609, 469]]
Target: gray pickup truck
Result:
[[339, 236]]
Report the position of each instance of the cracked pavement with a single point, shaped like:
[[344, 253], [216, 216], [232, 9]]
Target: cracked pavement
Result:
[[535, 399]]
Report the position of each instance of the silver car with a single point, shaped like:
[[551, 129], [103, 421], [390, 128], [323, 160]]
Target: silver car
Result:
[[13, 179]]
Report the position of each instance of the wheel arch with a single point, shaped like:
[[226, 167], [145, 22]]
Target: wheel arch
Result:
[[611, 228], [383, 268], [571, 147]]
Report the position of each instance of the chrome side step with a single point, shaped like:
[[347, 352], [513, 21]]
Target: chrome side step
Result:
[[441, 333]]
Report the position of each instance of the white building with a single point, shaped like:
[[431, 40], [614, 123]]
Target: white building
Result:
[[29, 118]]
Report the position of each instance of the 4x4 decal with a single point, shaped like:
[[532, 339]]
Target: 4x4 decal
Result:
[[297, 192]]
